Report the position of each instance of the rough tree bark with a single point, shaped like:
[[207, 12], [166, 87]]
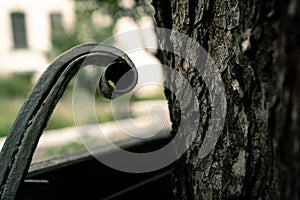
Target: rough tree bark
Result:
[[257, 155]]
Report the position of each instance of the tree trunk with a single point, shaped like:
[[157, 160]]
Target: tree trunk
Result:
[[257, 155]]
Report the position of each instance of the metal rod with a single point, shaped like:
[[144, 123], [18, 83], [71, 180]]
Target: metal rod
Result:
[[24, 135]]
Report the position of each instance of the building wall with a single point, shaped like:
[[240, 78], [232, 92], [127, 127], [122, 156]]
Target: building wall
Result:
[[38, 26]]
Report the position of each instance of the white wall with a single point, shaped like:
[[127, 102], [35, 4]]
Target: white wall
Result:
[[37, 20]]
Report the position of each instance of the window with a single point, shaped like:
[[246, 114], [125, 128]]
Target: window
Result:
[[56, 22], [19, 30]]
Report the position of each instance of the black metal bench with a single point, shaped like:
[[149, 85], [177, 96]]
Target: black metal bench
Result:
[[80, 175]]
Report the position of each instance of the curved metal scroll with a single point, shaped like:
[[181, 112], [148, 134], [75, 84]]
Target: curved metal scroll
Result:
[[22, 140]]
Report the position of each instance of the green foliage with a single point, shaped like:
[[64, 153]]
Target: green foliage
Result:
[[9, 108], [15, 88], [86, 27], [13, 91], [156, 96], [10, 103], [62, 41], [115, 9], [15, 85]]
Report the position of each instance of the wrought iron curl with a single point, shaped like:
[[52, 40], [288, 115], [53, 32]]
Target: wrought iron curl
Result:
[[17, 152]]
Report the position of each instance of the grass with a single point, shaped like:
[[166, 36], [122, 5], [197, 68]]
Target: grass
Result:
[[9, 108], [13, 92], [61, 117], [69, 148], [15, 85]]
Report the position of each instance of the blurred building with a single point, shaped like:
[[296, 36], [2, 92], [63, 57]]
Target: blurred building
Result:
[[25, 32]]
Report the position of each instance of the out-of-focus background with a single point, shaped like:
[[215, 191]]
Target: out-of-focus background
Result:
[[34, 32]]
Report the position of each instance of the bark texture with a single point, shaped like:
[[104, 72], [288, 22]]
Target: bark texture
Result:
[[257, 155]]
